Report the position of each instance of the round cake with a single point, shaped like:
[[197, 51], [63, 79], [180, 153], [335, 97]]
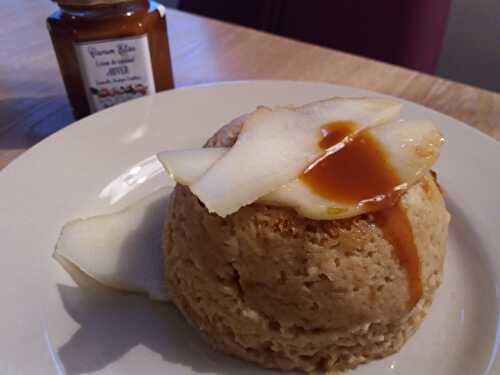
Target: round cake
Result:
[[275, 288]]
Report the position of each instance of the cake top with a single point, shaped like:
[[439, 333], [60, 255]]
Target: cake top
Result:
[[331, 159]]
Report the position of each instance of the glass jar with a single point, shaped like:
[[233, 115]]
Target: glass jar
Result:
[[110, 51]]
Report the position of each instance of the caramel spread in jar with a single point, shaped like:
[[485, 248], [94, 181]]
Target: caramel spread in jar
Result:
[[110, 51], [357, 170]]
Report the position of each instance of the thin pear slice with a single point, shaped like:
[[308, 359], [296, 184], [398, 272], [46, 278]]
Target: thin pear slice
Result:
[[184, 166], [297, 195], [120, 250], [188, 165], [411, 147], [274, 146], [375, 111]]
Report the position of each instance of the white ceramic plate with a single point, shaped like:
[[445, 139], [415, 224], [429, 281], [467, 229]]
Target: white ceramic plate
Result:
[[104, 162]]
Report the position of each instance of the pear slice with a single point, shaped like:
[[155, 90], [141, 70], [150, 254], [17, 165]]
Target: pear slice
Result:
[[186, 166], [121, 250], [275, 145], [374, 111], [411, 147]]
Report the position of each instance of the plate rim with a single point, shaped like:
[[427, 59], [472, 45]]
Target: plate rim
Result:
[[75, 126]]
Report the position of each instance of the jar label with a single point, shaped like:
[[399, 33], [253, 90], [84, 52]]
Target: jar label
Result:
[[115, 71]]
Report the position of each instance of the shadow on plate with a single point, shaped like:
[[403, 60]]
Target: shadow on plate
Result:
[[111, 324]]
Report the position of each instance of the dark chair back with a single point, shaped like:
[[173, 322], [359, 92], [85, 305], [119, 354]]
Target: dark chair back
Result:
[[403, 32]]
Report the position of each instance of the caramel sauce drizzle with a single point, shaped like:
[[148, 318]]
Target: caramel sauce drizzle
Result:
[[355, 170], [397, 230]]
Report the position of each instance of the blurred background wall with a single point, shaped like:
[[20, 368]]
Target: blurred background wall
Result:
[[458, 39], [471, 48]]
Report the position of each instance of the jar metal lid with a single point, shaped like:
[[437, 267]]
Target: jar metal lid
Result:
[[89, 2]]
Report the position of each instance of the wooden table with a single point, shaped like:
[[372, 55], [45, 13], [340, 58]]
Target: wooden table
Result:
[[33, 101]]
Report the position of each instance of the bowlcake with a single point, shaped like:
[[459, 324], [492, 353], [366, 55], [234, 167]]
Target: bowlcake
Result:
[[273, 287]]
